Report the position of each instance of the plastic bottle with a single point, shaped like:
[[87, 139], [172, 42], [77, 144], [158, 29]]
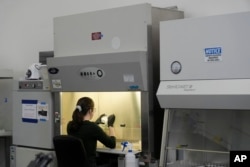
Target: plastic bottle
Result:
[[130, 159]]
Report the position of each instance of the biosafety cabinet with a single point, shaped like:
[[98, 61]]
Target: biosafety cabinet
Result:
[[112, 56], [205, 89]]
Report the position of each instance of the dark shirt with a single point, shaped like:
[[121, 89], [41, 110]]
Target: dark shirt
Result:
[[90, 133]]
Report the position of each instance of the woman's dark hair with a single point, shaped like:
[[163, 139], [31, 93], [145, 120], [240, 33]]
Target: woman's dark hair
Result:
[[83, 105]]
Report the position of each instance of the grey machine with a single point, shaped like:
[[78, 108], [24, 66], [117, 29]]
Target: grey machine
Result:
[[204, 89], [33, 119], [6, 86], [111, 56]]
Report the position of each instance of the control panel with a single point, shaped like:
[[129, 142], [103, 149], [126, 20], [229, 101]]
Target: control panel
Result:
[[92, 73], [31, 84]]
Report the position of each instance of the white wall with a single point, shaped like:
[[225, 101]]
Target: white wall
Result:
[[26, 26]]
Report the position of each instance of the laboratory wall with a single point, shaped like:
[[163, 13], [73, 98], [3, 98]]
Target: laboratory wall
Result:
[[26, 27]]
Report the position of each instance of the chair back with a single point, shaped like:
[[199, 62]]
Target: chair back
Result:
[[70, 151]]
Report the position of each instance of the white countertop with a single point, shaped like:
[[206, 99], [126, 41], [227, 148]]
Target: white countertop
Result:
[[4, 133], [114, 151]]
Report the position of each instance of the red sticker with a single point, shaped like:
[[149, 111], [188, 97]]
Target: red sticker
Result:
[[96, 35]]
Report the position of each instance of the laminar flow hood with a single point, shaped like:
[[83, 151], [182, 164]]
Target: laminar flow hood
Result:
[[112, 56], [205, 62]]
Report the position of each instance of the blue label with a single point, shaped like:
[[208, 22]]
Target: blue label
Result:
[[134, 87], [213, 51], [29, 101], [29, 120]]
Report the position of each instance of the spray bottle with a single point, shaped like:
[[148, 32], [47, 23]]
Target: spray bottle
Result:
[[130, 160]]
